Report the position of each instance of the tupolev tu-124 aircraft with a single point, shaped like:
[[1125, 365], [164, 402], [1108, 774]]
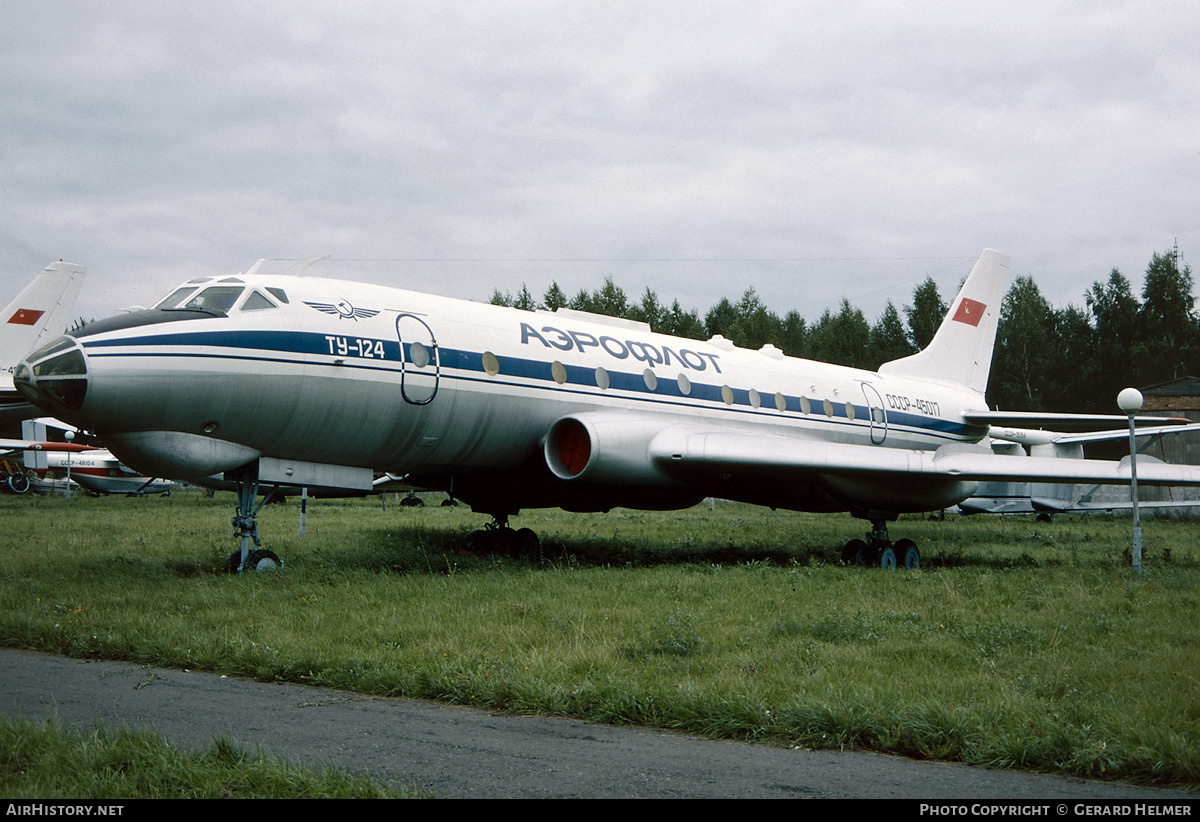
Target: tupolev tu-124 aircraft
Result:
[[296, 381]]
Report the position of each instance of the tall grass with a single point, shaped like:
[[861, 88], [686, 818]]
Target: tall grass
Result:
[[1018, 644]]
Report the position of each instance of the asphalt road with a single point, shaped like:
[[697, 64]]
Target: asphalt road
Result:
[[454, 752]]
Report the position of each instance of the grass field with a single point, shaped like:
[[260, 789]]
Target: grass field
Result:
[[49, 760], [1017, 645]]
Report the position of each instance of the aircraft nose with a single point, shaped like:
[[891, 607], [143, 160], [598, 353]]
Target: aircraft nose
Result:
[[55, 377]]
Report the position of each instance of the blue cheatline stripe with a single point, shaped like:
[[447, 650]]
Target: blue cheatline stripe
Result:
[[702, 395], [286, 342]]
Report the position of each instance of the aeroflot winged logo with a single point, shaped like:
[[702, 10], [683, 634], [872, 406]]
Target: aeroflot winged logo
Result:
[[25, 316], [969, 312], [344, 310]]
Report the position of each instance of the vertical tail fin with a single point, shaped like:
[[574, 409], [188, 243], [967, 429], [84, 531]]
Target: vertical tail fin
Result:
[[961, 351]]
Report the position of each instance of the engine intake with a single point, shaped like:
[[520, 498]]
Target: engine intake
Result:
[[606, 459], [606, 449], [568, 448]]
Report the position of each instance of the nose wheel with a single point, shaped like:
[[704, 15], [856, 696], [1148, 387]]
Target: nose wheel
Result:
[[256, 560], [245, 528]]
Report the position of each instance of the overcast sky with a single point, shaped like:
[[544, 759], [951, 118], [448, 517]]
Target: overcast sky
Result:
[[810, 150]]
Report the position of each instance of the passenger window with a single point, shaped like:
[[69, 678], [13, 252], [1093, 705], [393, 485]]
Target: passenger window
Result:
[[257, 302], [219, 298]]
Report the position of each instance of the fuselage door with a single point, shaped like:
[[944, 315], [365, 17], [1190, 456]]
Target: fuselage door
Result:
[[876, 412], [420, 363]]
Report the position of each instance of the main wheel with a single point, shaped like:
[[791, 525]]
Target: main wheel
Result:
[[907, 555], [887, 558], [481, 542], [526, 545], [855, 552]]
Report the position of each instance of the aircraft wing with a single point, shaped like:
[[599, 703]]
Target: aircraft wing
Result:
[[680, 452], [1064, 422], [1032, 436], [12, 448], [1150, 431], [1052, 508], [1031, 505], [31, 445]]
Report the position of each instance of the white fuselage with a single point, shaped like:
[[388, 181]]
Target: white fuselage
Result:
[[446, 390]]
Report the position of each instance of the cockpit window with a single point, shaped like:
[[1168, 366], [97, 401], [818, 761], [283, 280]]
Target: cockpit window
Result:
[[218, 298], [61, 344], [257, 302], [279, 294], [177, 296], [69, 364]]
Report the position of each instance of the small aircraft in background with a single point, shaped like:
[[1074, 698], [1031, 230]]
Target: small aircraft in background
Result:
[[40, 462], [39, 313], [276, 380]]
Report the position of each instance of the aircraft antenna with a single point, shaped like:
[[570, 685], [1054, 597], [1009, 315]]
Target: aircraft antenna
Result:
[[310, 263]]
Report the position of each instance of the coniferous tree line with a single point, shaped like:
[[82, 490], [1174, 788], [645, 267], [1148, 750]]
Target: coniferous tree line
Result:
[[1075, 358]]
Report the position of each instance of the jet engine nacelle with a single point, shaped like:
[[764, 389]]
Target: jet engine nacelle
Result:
[[609, 455], [606, 449]]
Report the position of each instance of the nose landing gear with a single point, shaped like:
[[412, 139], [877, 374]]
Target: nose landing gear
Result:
[[245, 527]]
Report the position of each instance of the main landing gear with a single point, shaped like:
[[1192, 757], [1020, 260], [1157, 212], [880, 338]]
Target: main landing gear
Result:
[[877, 551], [245, 529], [498, 538]]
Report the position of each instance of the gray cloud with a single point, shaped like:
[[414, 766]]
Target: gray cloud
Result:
[[809, 150]]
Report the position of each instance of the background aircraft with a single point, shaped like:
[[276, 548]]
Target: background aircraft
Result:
[[37, 461], [40, 312], [277, 380], [1047, 499]]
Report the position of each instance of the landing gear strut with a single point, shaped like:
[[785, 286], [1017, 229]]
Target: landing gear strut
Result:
[[245, 529], [498, 538], [878, 551]]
